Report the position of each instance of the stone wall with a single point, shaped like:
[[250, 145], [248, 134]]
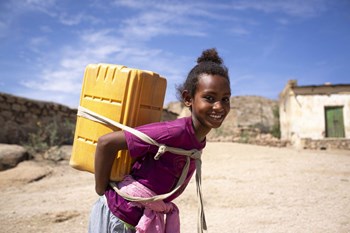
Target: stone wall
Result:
[[326, 144], [21, 117], [249, 135]]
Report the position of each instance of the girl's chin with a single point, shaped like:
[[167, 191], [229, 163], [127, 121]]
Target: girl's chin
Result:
[[215, 124]]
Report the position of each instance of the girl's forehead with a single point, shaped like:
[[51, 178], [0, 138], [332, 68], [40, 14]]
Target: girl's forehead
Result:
[[215, 83], [211, 76], [212, 80]]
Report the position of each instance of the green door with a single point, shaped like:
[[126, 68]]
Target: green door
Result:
[[334, 122]]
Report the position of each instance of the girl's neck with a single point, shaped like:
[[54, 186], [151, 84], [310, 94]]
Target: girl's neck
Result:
[[199, 131]]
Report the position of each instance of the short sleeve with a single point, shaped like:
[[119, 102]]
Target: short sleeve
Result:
[[137, 147]]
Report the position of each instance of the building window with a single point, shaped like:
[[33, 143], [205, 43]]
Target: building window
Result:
[[334, 122]]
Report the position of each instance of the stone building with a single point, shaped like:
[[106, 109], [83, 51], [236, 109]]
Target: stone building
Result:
[[315, 117]]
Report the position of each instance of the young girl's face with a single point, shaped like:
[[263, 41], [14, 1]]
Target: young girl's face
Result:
[[211, 103]]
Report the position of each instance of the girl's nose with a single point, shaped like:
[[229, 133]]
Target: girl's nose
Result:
[[218, 105]]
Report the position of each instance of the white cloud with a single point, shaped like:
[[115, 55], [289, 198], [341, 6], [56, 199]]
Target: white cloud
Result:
[[46, 29], [133, 3], [38, 41], [158, 18], [77, 18], [299, 8], [239, 31], [149, 24], [70, 20], [43, 6], [269, 48], [62, 80], [283, 21], [3, 29]]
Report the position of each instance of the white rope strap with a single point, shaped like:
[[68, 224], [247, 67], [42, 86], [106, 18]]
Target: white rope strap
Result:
[[195, 154]]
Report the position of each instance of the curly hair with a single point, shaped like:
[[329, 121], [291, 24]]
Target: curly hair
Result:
[[208, 63]]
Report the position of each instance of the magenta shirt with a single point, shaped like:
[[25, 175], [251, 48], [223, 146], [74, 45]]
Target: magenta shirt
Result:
[[160, 175]]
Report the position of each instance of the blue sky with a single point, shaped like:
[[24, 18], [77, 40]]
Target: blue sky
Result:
[[45, 45]]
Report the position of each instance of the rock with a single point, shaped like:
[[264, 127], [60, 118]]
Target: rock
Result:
[[175, 107], [168, 115], [56, 153], [11, 155], [26, 172]]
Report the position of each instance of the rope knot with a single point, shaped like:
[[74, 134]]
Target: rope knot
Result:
[[161, 150], [196, 154]]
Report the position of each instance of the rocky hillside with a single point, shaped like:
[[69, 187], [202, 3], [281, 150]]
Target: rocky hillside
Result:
[[249, 116]]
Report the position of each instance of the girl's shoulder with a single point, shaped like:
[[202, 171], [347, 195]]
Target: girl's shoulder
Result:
[[165, 129]]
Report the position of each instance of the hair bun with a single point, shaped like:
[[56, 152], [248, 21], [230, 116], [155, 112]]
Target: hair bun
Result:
[[210, 55]]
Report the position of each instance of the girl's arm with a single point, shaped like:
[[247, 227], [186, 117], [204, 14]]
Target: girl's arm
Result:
[[107, 147]]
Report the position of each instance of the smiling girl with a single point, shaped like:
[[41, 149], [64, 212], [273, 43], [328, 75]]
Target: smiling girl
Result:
[[206, 92]]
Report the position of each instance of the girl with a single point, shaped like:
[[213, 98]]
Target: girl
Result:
[[206, 92]]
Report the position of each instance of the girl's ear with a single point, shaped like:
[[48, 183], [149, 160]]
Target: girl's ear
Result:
[[187, 98]]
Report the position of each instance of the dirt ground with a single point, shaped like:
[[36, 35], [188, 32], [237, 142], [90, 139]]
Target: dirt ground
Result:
[[246, 189]]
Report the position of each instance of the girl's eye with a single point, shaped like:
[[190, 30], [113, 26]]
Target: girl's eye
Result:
[[209, 98], [226, 100]]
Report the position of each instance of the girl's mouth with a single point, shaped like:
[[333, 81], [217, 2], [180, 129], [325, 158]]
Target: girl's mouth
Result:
[[217, 117]]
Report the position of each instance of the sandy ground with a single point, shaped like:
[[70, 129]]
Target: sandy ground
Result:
[[246, 189]]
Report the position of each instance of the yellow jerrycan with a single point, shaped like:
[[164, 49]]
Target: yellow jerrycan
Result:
[[129, 96]]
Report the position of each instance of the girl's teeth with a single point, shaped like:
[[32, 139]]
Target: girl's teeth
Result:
[[215, 116]]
